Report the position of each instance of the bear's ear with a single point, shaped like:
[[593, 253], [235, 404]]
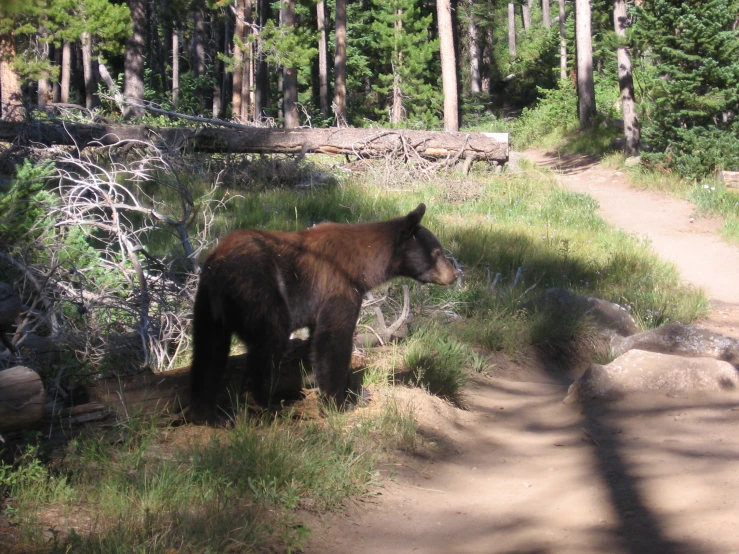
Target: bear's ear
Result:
[[413, 220]]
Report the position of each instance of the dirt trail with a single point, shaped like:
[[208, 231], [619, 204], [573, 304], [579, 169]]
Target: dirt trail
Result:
[[520, 472]]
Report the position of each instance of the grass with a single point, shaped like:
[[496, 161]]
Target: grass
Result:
[[238, 489], [137, 490]]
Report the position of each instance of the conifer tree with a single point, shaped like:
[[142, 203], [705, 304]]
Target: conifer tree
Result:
[[405, 51], [692, 52]]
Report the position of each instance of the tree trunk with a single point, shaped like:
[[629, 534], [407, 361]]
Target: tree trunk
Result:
[[340, 65], [198, 49], [217, 34], [238, 55], [545, 15], [175, 66], [474, 45], [562, 41], [626, 80], [44, 85], [56, 88], [322, 58], [88, 70], [261, 94], [290, 75], [526, 14], [487, 59], [396, 109], [448, 65], [11, 100], [66, 70], [585, 85], [247, 72], [133, 88], [512, 29], [22, 398]]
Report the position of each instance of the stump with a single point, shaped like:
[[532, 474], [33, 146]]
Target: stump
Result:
[[22, 398]]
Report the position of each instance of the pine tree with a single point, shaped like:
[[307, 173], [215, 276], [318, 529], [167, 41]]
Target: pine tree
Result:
[[692, 54], [405, 51]]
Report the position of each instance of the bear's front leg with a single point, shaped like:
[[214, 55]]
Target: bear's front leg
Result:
[[331, 349]]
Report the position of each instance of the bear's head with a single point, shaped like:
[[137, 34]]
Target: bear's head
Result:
[[420, 252]]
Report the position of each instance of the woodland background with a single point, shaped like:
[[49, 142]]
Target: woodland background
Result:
[[673, 65]]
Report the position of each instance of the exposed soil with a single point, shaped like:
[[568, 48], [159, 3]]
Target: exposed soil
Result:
[[520, 472]]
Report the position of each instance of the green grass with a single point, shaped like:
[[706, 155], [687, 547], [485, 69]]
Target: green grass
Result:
[[237, 488]]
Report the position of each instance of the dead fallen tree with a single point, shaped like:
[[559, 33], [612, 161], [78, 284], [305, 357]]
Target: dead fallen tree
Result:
[[366, 143]]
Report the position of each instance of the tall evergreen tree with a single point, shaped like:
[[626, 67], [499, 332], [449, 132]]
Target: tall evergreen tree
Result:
[[405, 49], [692, 50]]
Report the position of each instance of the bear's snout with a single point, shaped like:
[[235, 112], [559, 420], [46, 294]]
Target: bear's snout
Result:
[[444, 273]]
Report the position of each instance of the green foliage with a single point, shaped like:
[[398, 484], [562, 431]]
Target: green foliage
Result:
[[27, 202], [553, 117], [691, 67]]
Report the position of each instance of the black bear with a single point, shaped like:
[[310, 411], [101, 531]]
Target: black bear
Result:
[[262, 285]]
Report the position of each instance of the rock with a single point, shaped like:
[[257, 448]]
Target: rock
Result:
[[633, 161], [641, 371], [610, 319], [683, 340]]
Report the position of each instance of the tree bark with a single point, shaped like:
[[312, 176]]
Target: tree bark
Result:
[[217, 35], [545, 14], [474, 45], [585, 85], [261, 93], [322, 58], [626, 81], [290, 75], [22, 398], [198, 49], [238, 54], [340, 65], [363, 142], [487, 59], [11, 99], [66, 70], [562, 41], [396, 109], [247, 78], [44, 85], [133, 88], [88, 69], [512, 29], [448, 65], [175, 66], [526, 14]]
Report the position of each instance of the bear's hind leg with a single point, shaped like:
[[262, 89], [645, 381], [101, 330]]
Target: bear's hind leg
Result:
[[211, 346], [265, 349]]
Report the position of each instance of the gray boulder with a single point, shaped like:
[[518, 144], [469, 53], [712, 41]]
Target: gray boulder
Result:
[[641, 371], [684, 340]]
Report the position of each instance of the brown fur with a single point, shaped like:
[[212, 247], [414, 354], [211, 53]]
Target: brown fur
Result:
[[262, 285]]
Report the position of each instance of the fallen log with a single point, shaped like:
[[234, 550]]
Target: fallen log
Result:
[[730, 178], [22, 398], [401, 143]]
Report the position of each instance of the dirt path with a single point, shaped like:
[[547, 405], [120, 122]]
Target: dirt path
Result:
[[520, 472]]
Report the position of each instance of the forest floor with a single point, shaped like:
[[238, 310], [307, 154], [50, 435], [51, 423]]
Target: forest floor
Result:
[[520, 472]]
